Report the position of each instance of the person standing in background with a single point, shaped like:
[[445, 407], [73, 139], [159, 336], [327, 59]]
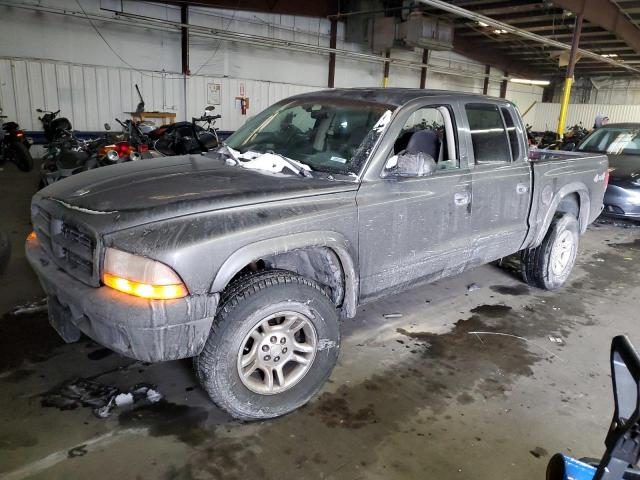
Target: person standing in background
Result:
[[601, 121]]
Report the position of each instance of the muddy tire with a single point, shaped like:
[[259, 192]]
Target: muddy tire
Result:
[[273, 344], [549, 265]]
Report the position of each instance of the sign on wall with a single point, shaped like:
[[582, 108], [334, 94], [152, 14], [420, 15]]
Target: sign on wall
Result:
[[213, 93]]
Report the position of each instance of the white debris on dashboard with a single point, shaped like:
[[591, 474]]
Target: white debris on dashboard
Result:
[[268, 161]]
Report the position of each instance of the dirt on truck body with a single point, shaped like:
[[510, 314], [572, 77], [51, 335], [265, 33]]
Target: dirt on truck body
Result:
[[247, 258]]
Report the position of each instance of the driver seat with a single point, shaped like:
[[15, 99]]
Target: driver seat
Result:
[[425, 141]]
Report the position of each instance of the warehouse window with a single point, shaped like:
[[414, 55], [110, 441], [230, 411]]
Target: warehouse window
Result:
[[488, 134]]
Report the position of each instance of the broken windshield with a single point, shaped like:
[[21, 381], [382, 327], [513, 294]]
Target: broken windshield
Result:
[[327, 134]]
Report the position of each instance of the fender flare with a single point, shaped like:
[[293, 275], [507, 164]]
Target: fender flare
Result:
[[274, 246], [584, 205]]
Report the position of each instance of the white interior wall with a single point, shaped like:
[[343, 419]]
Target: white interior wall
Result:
[[57, 61], [613, 91], [545, 115]]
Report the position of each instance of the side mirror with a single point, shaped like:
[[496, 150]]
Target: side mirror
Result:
[[39, 110], [623, 446], [625, 375], [411, 165], [107, 126], [569, 146]]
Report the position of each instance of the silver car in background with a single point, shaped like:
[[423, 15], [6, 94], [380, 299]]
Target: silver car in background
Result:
[[621, 143]]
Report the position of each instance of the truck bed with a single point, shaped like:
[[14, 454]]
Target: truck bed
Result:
[[554, 174]]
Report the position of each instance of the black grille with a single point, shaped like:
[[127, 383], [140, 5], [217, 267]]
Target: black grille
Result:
[[71, 248]]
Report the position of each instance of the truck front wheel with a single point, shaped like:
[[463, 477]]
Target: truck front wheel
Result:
[[273, 344], [548, 266]]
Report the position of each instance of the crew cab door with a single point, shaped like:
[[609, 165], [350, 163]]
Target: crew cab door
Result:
[[501, 180], [414, 227]]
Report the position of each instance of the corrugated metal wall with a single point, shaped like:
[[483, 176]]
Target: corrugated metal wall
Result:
[[544, 116], [91, 95], [88, 95], [261, 94]]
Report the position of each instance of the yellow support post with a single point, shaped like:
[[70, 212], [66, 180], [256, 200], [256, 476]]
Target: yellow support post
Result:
[[385, 78], [566, 94]]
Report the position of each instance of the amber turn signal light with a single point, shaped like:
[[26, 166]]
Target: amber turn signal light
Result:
[[144, 290], [32, 236]]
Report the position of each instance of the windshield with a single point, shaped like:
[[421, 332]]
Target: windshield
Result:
[[614, 141], [331, 135]]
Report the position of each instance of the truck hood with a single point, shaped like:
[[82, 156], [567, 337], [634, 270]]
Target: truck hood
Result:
[[175, 184]]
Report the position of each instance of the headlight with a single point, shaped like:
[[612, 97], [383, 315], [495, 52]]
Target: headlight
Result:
[[141, 276]]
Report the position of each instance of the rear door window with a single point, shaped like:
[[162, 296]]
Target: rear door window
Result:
[[488, 133]]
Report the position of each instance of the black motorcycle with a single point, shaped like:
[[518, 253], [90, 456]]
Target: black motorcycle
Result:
[[572, 137], [184, 138], [14, 145], [54, 127]]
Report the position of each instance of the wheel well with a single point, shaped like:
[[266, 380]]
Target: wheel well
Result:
[[320, 264], [570, 203]]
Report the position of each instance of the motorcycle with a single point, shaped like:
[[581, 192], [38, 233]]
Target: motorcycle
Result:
[[131, 145], [62, 161], [14, 145], [5, 251], [184, 138], [623, 440], [54, 127], [572, 137]]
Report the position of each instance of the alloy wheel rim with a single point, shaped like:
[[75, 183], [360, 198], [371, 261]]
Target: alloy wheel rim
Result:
[[277, 353], [562, 253]]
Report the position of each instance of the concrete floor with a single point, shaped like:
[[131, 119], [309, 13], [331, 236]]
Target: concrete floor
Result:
[[416, 396]]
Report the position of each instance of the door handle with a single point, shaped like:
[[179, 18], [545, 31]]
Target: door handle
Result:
[[461, 198], [522, 188]]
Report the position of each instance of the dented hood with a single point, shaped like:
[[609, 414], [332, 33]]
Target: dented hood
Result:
[[172, 182]]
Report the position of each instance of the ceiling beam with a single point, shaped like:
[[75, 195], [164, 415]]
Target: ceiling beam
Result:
[[480, 53], [533, 27], [535, 16], [320, 8], [607, 15]]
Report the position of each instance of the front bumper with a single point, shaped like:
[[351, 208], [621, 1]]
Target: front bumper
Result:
[[147, 330], [622, 202]]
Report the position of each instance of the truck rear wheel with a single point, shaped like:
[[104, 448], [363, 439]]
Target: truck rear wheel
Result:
[[273, 344], [548, 266]]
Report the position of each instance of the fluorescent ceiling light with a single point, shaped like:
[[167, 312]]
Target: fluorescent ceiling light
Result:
[[498, 31], [609, 55], [529, 82], [482, 24]]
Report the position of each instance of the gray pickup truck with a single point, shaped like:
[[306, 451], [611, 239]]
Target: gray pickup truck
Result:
[[246, 258]]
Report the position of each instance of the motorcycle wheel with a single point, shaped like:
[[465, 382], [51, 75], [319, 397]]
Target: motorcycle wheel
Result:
[[5, 251], [21, 156]]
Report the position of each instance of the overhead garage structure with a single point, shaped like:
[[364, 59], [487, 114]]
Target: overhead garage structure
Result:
[[330, 239], [229, 47]]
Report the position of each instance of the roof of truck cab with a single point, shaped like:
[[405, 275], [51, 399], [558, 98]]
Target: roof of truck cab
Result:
[[392, 96]]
